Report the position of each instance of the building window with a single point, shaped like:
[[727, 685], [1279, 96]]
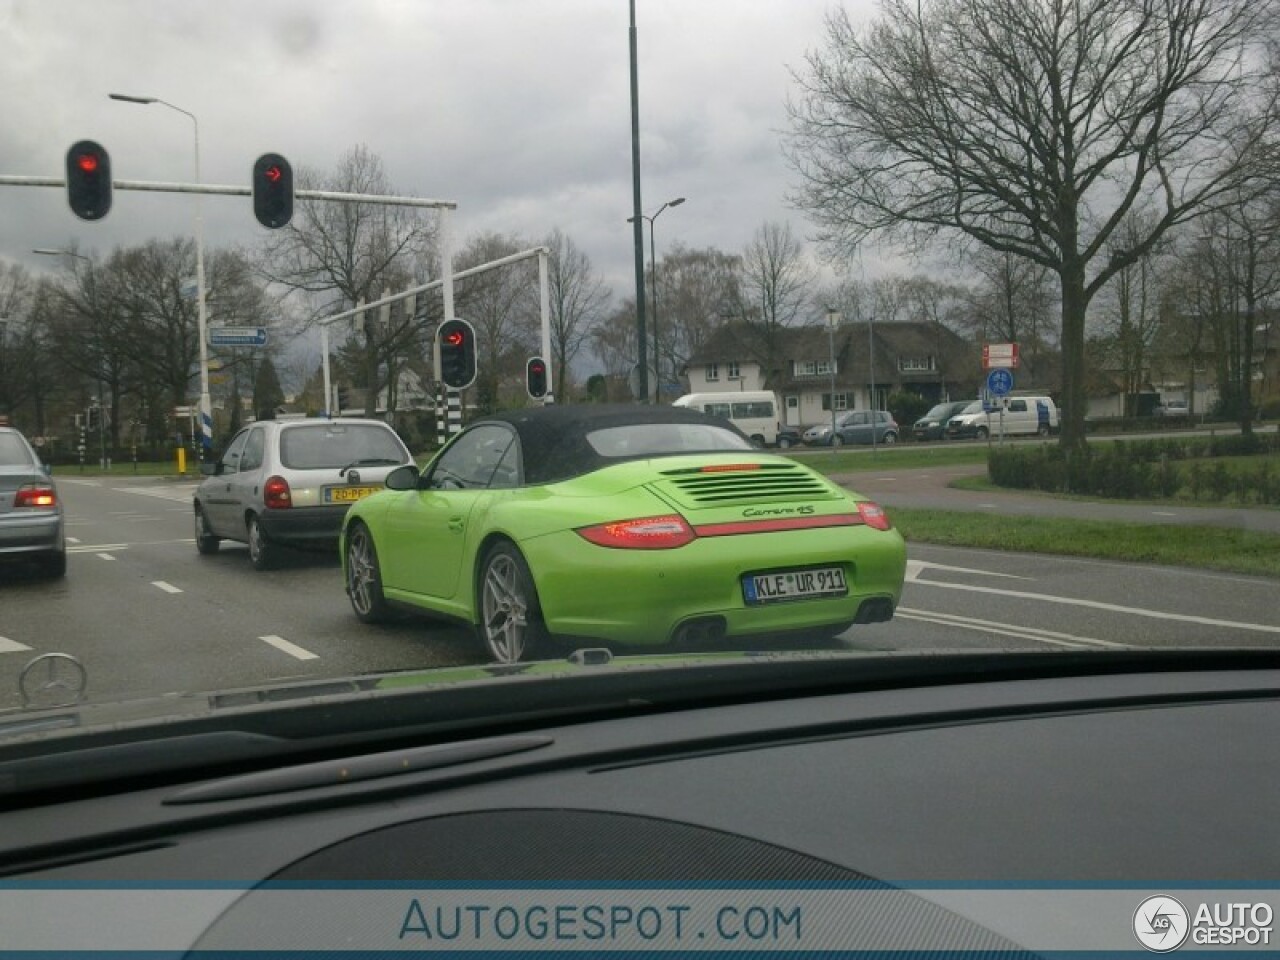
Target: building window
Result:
[[812, 368], [713, 372], [915, 364], [735, 373], [842, 401]]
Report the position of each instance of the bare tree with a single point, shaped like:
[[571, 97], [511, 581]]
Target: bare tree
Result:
[[578, 301], [1034, 127], [777, 279], [700, 290], [342, 254], [502, 305]]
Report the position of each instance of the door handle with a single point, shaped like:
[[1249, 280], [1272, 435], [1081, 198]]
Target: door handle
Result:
[[455, 524]]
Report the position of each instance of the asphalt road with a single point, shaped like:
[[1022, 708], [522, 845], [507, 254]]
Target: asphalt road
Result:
[[148, 616]]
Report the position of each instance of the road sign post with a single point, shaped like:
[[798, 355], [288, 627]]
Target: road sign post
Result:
[[999, 384], [237, 336]]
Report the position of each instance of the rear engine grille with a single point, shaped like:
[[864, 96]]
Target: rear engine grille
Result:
[[765, 482]]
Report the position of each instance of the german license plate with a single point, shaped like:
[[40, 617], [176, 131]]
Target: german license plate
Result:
[[347, 494], [794, 585]]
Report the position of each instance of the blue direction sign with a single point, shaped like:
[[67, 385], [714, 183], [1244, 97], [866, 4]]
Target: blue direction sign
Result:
[[1000, 382], [237, 336]]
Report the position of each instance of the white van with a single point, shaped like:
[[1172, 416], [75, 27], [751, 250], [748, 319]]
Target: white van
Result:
[[754, 412], [1023, 415]]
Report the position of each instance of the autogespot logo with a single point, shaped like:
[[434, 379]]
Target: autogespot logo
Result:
[[1160, 923]]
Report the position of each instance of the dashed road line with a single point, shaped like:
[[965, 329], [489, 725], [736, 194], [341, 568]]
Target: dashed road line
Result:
[[96, 547], [166, 587], [106, 556], [1051, 637], [73, 539], [292, 649], [12, 646]]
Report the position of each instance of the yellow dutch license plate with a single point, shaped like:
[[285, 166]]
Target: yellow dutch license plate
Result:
[[348, 494]]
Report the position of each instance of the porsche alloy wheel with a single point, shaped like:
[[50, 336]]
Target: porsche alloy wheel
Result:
[[364, 576], [510, 618]]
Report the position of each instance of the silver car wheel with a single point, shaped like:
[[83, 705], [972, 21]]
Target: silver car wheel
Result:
[[262, 554], [362, 571], [504, 608], [206, 542]]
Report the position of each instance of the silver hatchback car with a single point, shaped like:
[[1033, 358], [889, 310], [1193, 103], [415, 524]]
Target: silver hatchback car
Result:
[[290, 482]]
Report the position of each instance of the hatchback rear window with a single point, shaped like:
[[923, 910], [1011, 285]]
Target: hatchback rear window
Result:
[[334, 445]]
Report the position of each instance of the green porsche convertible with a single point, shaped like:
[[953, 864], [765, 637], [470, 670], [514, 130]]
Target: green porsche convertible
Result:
[[637, 526]]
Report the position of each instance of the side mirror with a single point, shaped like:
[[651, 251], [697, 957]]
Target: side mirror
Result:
[[210, 468], [402, 478]]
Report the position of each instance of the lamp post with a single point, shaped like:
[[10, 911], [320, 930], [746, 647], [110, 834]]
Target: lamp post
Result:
[[97, 328], [206, 405], [637, 229], [833, 321], [653, 271], [871, 372]]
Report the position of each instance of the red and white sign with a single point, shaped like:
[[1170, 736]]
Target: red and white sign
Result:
[[997, 355]]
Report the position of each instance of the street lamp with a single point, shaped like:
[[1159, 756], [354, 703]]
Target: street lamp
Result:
[[206, 405], [653, 270], [97, 328], [833, 321], [871, 371]]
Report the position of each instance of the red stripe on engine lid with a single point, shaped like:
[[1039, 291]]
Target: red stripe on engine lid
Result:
[[775, 524]]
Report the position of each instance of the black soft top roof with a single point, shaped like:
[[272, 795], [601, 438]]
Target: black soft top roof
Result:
[[553, 440]]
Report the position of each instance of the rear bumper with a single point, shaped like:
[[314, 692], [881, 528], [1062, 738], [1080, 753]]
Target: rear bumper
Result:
[[303, 526], [24, 534], [647, 597]]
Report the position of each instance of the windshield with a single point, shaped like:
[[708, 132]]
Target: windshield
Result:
[[258, 258]]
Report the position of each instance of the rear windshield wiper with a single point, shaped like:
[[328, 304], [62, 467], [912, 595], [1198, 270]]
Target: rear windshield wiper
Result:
[[368, 462]]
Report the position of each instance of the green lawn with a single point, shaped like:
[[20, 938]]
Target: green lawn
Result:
[[125, 468], [1213, 548]]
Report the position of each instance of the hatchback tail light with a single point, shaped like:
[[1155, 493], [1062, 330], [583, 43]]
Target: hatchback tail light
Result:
[[35, 495], [647, 533], [275, 493], [873, 515]]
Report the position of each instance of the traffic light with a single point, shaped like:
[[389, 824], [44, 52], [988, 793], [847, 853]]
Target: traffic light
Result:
[[535, 377], [272, 190], [88, 180], [457, 341]]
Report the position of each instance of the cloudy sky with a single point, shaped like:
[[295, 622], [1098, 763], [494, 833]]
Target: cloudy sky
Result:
[[516, 109]]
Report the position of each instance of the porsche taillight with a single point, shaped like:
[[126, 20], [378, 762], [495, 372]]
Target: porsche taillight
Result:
[[873, 515], [35, 495], [275, 493], [646, 533]]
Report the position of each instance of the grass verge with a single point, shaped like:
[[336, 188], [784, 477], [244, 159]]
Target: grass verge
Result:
[[897, 457], [1212, 548]]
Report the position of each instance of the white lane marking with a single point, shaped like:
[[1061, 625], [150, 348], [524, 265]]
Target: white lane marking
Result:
[[11, 646], [987, 506], [166, 587], [78, 481], [73, 539], [95, 547], [1110, 607], [916, 567], [1009, 629], [106, 556], [180, 493], [1163, 513], [292, 649]]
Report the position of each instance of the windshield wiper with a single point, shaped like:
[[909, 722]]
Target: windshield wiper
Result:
[[368, 462]]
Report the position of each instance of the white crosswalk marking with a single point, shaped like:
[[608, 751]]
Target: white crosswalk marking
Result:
[[11, 646]]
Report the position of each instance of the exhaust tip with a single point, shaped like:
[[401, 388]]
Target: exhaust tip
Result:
[[875, 610], [700, 630]]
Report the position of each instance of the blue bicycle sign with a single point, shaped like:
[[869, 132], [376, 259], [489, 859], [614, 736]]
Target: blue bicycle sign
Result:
[[1000, 382]]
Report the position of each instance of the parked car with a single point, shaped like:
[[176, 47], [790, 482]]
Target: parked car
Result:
[[290, 483], [1023, 416], [855, 427], [638, 526], [1171, 409], [789, 436], [933, 425], [31, 521]]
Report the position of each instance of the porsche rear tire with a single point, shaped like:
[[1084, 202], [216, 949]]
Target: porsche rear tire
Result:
[[511, 626]]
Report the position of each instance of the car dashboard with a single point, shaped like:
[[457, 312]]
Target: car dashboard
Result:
[[951, 812]]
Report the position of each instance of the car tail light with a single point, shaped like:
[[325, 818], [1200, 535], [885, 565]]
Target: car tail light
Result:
[[873, 515], [647, 533], [275, 493], [728, 467], [35, 495]]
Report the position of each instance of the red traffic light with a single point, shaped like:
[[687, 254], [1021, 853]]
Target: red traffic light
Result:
[[454, 338], [457, 340], [88, 180], [535, 377], [272, 191]]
